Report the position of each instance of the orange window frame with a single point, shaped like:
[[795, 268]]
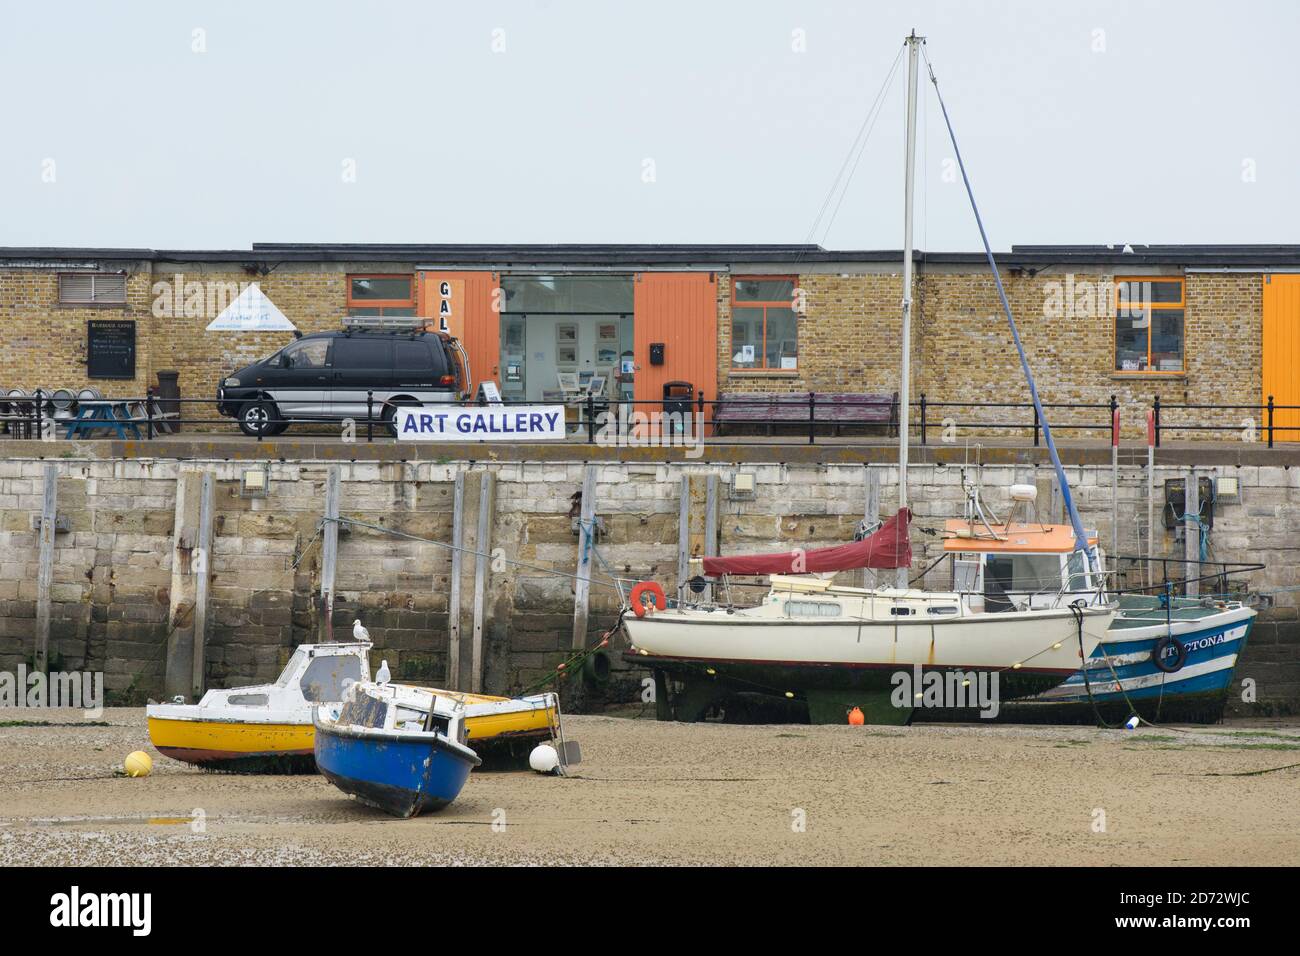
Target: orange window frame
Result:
[[764, 305], [1181, 304], [381, 304]]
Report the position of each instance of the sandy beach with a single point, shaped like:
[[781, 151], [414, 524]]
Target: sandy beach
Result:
[[656, 793]]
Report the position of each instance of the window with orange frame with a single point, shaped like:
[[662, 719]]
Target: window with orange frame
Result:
[[764, 323], [381, 295], [1149, 324]]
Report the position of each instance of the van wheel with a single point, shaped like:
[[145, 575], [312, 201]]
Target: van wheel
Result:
[[390, 413], [260, 418]]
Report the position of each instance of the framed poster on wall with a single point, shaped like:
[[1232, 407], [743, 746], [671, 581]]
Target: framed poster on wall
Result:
[[110, 348]]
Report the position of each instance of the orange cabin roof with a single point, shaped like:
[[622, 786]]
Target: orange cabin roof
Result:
[[1018, 537]]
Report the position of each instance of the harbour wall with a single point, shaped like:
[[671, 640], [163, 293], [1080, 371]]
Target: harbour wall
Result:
[[122, 598]]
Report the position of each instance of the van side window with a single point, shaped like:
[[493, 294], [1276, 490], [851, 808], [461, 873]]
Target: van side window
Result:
[[310, 353], [420, 356], [360, 352]]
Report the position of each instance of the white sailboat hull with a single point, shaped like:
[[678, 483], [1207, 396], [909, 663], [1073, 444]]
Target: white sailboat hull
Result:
[[1040, 641]]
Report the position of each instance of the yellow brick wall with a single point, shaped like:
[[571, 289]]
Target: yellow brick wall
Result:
[[848, 339]]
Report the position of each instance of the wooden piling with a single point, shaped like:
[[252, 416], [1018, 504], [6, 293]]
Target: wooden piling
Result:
[[45, 569], [482, 571], [586, 541], [453, 599], [329, 552], [202, 575]]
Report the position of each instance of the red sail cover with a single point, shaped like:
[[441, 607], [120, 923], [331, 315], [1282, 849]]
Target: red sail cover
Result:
[[887, 547]]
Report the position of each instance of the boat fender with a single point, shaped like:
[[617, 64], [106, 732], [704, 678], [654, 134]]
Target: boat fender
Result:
[[656, 593], [1174, 664]]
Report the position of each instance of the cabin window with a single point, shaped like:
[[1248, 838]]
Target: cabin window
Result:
[[291, 668], [1020, 575], [1078, 575], [764, 323], [1149, 331], [325, 677], [812, 609]]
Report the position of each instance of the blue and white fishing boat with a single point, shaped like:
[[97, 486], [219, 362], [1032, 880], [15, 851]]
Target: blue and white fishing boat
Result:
[[400, 749], [1163, 656]]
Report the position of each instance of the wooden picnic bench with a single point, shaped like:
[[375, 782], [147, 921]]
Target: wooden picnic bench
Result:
[[835, 409]]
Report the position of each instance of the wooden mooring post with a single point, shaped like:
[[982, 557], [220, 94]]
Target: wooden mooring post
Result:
[[329, 552], [45, 569], [482, 571], [453, 598], [586, 541], [202, 569]]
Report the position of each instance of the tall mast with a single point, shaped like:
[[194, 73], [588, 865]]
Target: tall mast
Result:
[[905, 376]]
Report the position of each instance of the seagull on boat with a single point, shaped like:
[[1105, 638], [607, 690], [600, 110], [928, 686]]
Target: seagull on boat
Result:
[[359, 632], [382, 676]]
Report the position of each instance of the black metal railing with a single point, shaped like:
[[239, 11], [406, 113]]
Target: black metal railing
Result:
[[1264, 419], [783, 417]]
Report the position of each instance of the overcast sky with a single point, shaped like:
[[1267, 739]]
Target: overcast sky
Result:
[[214, 125]]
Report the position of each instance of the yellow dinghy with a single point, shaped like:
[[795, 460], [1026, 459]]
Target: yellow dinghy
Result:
[[268, 728]]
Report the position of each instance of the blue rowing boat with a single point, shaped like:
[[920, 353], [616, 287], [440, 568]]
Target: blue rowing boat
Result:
[[397, 748]]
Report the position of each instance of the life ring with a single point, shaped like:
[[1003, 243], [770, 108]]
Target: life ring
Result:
[[656, 594], [1180, 654]]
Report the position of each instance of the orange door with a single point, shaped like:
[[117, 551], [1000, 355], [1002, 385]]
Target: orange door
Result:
[[679, 310], [1282, 351], [467, 303]]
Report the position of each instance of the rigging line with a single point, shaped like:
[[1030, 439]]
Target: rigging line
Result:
[[849, 179], [853, 147], [482, 554], [1080, 536]]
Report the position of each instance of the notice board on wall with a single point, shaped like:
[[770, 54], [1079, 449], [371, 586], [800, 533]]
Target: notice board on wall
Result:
[[110, 348]]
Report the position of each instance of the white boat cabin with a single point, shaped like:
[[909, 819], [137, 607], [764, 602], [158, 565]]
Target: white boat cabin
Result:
[[1020, 565]]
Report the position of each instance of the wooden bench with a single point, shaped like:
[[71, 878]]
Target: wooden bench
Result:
[[780, 408]]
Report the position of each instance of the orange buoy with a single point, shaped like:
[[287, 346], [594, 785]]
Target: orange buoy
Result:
[[856, 718], [656, 594]]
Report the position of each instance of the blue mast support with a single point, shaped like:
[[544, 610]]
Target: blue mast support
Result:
[[1080, 536]]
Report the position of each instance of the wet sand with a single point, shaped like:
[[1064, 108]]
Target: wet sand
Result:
[[652, 793]]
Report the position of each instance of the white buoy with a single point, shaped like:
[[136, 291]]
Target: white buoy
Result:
[[544, 758], [1132, 722], [359, 632]]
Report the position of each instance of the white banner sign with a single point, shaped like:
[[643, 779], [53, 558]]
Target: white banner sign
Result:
[[481, 423], [251, 312]]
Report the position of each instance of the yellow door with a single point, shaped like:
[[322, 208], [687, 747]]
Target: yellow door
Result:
[[1282, 351]]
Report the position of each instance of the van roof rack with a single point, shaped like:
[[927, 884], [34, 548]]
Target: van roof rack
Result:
[[387, 323]]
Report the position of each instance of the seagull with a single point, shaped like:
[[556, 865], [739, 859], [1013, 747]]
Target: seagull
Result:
[[382, 676], [359, 632]]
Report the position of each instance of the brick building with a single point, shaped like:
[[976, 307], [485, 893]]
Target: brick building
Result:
[[1197, 325]]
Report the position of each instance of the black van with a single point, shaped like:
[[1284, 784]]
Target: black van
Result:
[[327, 376]]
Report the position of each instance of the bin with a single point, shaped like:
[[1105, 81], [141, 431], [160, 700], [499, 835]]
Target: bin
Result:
[[679, 403]]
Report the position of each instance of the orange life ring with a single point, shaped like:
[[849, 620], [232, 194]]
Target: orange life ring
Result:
[[656, 593]]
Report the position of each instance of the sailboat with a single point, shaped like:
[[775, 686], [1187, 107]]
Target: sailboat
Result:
[[871, 655]]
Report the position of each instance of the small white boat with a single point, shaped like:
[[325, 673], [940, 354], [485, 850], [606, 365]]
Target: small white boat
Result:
[[265, 728]]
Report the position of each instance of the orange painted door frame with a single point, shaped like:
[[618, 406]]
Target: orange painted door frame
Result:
[[680, 311], [467, 303], [1281, 346]]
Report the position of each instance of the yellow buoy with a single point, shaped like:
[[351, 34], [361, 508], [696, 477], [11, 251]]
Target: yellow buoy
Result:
[[138, 764]]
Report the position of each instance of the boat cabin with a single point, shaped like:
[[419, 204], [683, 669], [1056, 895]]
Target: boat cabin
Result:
[[1019, 564]]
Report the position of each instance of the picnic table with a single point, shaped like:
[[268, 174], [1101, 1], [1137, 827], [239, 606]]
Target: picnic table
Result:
[[114, 414]]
